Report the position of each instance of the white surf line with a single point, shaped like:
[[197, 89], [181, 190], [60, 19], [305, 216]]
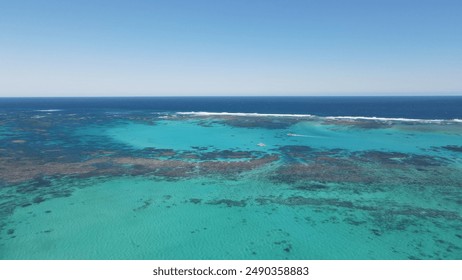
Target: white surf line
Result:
[[243, 114], [382, 119], [306, 136], [49, 110], [387, 119]]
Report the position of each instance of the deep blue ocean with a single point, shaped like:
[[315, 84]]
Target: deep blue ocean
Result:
[[428, 107]]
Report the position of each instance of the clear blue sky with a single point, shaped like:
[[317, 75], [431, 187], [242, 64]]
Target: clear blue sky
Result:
[[230, 47]]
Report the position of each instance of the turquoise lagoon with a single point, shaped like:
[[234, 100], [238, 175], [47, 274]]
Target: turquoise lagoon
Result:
[[142, 185]]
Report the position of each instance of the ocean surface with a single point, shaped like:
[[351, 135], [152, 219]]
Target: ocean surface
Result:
[[231, 178]]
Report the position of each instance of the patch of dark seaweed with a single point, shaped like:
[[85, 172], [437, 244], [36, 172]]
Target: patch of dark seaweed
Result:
[[103, 165], [163, 168], [425, 161], [38, 199], [205, 124], [453, 148], [295, 149], [396, 218], [160, 152], [228, 202], [288, 248], [362, 124], [263, 201], [146, 204], [428, 213], [391, 159], [226, 154], [173, 173], [219, 155], [27, 170], [233, 167], [296, 152], [380, 157], [335, 170], [33, 170], [195, 200], [391, 221], [187, 156], [60, 193], [301, 201], [199, 148], [311, 187], [259, 122], [34, 185], [307, 154], [354, 222]]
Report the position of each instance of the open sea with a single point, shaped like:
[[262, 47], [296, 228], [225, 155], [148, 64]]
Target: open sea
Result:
[[231, 178]]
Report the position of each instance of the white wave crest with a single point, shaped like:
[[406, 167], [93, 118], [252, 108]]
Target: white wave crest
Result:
[[49, 110], [308, 116], [387, 119], [244, 114]]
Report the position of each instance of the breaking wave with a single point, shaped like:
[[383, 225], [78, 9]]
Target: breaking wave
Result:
[[242, 114], [49, 110], [309, 116]]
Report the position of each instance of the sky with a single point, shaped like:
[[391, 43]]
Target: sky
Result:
[[230, 47]]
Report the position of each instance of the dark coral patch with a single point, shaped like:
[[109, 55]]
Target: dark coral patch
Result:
[[359, 123], [295, 150], [333, 170], [228, 202], [260, 122], [195, 200], [453, 148], [160, 152], [397, 218], [38, 200], [218, 155], [311, 187], [226, 154], [398, 159], [288, 248], [234, 167], [199, 148], [145, 205], [381, 157]]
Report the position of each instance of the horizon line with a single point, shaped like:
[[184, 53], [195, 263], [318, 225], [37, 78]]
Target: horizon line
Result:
[[218, 96]]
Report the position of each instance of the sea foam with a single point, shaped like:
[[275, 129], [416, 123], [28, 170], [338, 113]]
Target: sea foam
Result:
[[309, 116], [244, 114], [49, 110]]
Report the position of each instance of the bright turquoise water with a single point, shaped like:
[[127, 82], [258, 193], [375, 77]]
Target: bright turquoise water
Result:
[[139, 185]]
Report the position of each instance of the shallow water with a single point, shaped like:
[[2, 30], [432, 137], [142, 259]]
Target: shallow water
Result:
[[139, 185]]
